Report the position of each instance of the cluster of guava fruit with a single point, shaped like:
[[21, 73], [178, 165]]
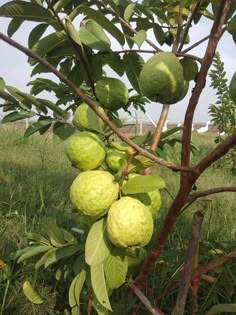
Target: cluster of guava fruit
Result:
[[96, 193]]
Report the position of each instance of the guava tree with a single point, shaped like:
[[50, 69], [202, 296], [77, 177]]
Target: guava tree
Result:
[[75, 40]]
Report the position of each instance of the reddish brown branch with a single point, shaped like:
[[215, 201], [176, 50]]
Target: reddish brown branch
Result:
[[217, 153], [188, 264], [212, 191], [215, 35], [213, 264], [103, 116], [185, 31]]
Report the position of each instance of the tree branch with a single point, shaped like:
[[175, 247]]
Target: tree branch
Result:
[[212, 191], [217, 153], [213, 264], [184, 34], [201, 41], [144, 300], [91, 104], [215, 35], [188, 264]]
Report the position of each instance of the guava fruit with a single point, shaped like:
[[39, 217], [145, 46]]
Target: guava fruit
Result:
[[129, 223], [151, 199], [85, 151], [93, 192], [232, 88], [86, 119], [112, 93], [181, 93], [161, 78], [114, 159], [190, 68]]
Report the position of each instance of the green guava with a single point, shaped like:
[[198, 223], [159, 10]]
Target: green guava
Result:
[[151, 199], [112, 93], [129, 223], [85, 151], [93, 192], [232, 88], [181, 93], [190, 68], [86, 119], [161, 78], [114, 159]]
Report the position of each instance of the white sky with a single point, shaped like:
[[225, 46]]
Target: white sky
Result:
[[16, 71]]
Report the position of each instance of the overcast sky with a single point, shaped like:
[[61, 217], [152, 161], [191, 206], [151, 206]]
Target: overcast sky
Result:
[[16, 71]]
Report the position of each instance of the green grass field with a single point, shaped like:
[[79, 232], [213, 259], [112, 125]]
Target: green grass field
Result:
[[35, 177]]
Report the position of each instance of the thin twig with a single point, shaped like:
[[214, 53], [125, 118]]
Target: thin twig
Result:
[[188, 265], [213, 264], [184, 34], [92, 105], [212, 191], [157, 133], [179, 29], [201, 41], [144, 300]]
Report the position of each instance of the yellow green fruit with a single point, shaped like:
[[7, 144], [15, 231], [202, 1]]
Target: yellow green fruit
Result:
[[151, 199], [86, 119], [129, 223], [114, 159], [190, 68], [232, 88], [93, 192], [161, 78], [85, 151], [112, 93]]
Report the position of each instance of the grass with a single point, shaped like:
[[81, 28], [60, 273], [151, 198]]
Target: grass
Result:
[[35, 177]]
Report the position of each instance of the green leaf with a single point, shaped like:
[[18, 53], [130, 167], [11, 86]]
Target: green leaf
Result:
[[115, 268], [139, 38], [49, 43], [72, 31], [222, 308], [97, 246], [99, 308], [159, 33], [13, 26], [6, 96], [56, 109], [37, 238], [34, 251], [75, 291], [26, 11], [99, 285], [139, 163], [2, 85], [43, 259], [143, 183], [129, 11], [144, 10], [37, 126], [92, 35], [36, 34], [232, 26], [63, 131], [61, 253], [133, 63], [31, 294], [114, 62], [17, 116], [102, 21], [61, 4], [54, 233]]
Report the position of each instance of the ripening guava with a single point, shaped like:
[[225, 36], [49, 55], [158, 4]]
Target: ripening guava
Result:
[[85, 151], [114, 159], [232, 88], [161, 78], [129, 223], [190, 68], [112, 93], [85, 118], [93, 192]]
